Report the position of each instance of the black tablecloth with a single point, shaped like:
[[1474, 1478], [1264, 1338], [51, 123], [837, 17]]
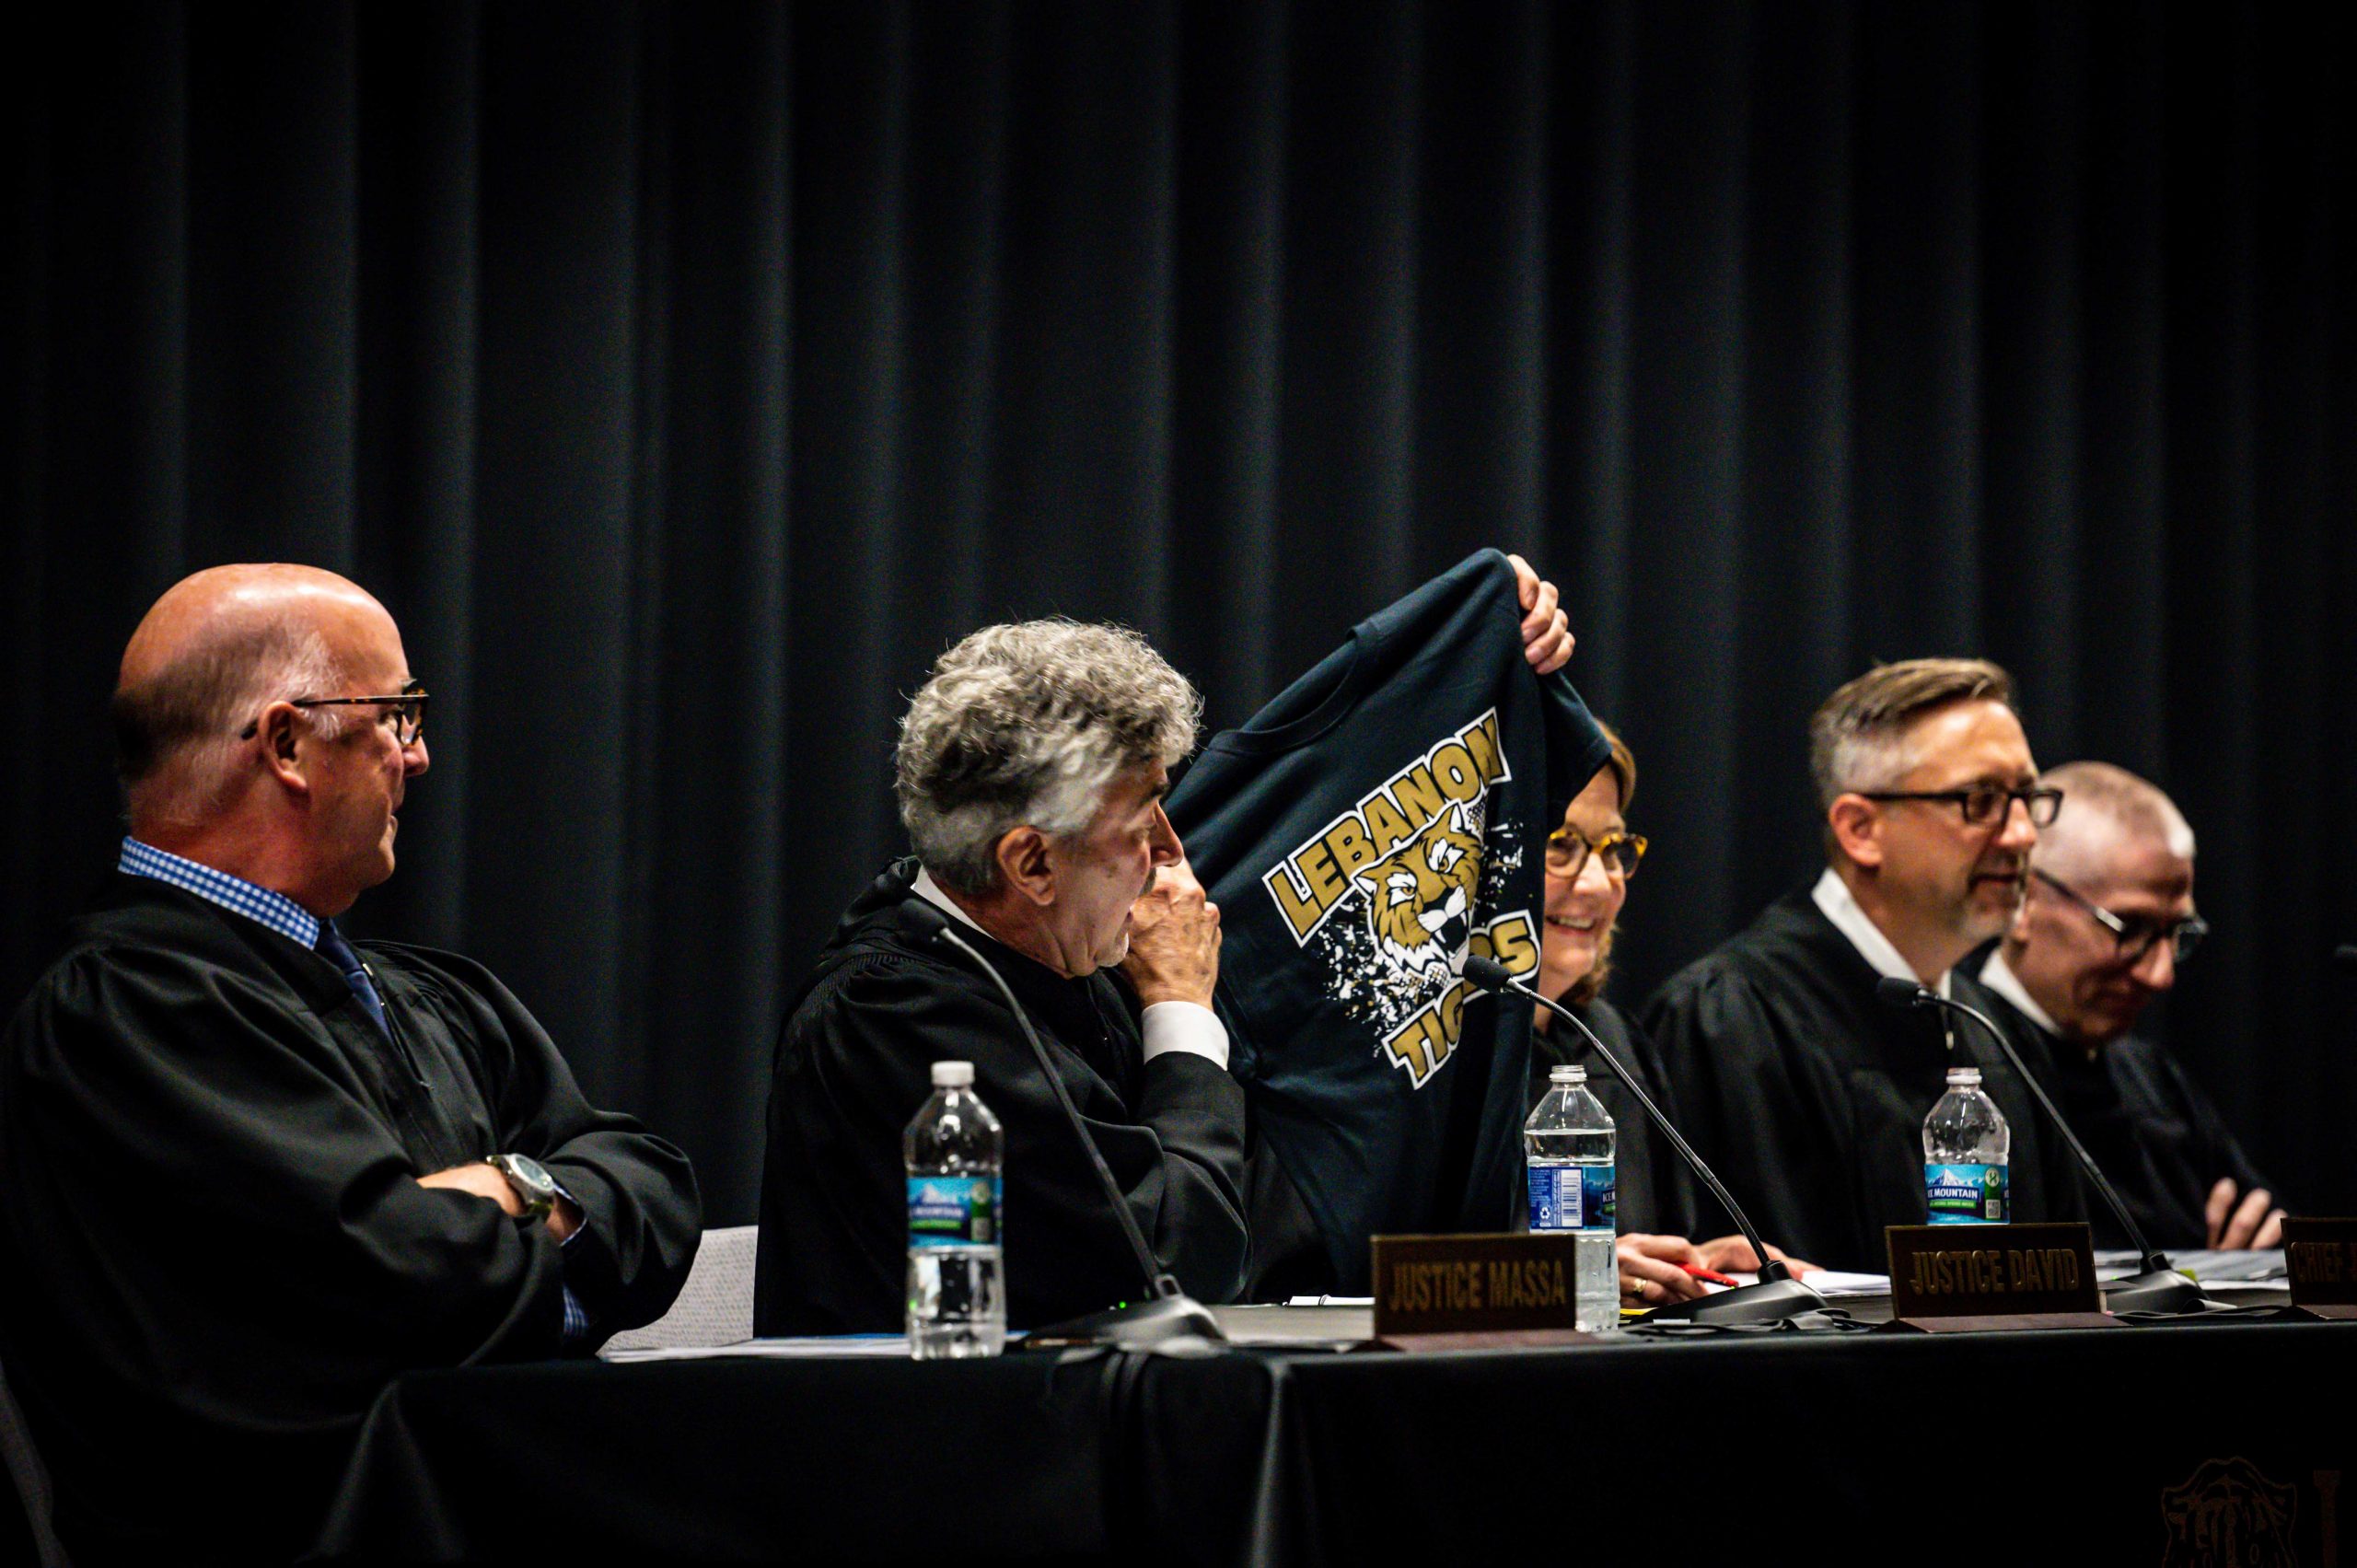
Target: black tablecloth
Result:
[[2015, 1448], [2170, 1442], [732, 1461]]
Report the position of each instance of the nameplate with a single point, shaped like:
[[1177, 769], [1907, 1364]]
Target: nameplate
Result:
[[1472, 1285], [2321, 1257], [1487, 1339], [1991, 1271]]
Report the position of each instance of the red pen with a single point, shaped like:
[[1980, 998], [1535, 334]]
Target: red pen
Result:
[[1708, 1276]]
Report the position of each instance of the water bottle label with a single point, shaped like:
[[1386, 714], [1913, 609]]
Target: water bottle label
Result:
[[1570, 1197], [1966, 1195], [954, 1210]]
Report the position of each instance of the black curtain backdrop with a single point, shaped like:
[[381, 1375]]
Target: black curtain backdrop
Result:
[[684, 379]]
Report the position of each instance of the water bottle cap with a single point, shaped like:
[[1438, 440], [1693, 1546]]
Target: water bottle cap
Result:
[[1567, 1074], [1965, 1077], [952, 1074]]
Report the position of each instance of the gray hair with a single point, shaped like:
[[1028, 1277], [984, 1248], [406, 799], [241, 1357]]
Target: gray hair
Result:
[[1028, 724], [1857, 741], [2093, 792], [177, 733]]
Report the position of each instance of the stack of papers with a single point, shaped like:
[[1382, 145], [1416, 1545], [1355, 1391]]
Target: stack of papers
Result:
[[1828, 1283], [2210, 1268], [874, 1346]]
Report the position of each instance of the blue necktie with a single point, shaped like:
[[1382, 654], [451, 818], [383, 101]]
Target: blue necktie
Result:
[[337, 951]]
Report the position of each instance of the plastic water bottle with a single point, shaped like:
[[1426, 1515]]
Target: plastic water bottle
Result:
[[1966, 1147], [1567, 1143], [957, 1281]]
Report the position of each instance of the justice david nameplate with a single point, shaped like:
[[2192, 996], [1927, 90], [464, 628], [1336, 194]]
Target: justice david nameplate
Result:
[[1991, 1270]]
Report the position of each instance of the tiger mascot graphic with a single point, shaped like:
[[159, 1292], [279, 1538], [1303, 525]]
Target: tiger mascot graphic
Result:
[[1420, 896]]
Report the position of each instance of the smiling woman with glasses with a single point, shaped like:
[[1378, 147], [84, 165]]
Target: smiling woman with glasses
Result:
[[1568, 849], [1591, 856]]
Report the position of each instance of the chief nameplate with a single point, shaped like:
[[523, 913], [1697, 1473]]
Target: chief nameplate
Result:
[[1991, 1271], [2321, 1257], [1461, 1284]]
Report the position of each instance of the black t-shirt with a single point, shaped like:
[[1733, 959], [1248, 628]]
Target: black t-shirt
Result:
[[1383, 816]]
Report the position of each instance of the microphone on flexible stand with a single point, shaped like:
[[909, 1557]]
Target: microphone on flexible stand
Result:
[[1778, 1295], [2158, 1287], [1167, 1312]]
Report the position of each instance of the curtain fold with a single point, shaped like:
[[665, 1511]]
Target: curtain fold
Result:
[[684, 379]]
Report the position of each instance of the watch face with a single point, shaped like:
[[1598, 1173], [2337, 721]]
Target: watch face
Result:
[[528, 1173]]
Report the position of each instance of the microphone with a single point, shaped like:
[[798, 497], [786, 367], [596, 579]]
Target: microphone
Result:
[[1168, 1312], [2158, 1287], [1778, 1295]]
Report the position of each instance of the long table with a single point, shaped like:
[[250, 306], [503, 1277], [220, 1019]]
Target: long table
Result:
[[2185, 1443]]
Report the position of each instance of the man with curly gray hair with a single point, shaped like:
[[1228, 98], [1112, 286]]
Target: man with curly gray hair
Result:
[[1028, 722], [1030, 774]]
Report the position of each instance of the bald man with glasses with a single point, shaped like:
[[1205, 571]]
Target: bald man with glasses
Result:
[[251, 1171], [2107, 922]]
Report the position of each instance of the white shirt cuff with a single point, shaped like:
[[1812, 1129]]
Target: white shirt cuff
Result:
[[1185, 1026]]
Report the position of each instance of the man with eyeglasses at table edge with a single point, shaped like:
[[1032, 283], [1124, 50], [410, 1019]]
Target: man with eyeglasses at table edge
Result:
[[247, 1173], [1804, 1089], [2107, 923]]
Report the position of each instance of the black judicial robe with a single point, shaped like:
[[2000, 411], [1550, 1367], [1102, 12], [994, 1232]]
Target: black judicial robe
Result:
[[854, 1065], [1807, 1095], [214, 1252], [1653, 1193], [2156, 1135]]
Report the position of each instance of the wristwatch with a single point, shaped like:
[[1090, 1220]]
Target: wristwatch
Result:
[[533, 1185]]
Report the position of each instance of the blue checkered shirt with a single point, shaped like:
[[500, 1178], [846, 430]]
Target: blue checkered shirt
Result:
[[235, 894], [295, 923]]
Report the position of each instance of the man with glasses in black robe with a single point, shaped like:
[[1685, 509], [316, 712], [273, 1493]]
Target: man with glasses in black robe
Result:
[[2109, 919], [249, 1173], [1803, 1088]]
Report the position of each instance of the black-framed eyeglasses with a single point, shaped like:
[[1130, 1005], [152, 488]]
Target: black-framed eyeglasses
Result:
[[1568, 849], [1982, 804], [406, 708], [2134, 935]]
